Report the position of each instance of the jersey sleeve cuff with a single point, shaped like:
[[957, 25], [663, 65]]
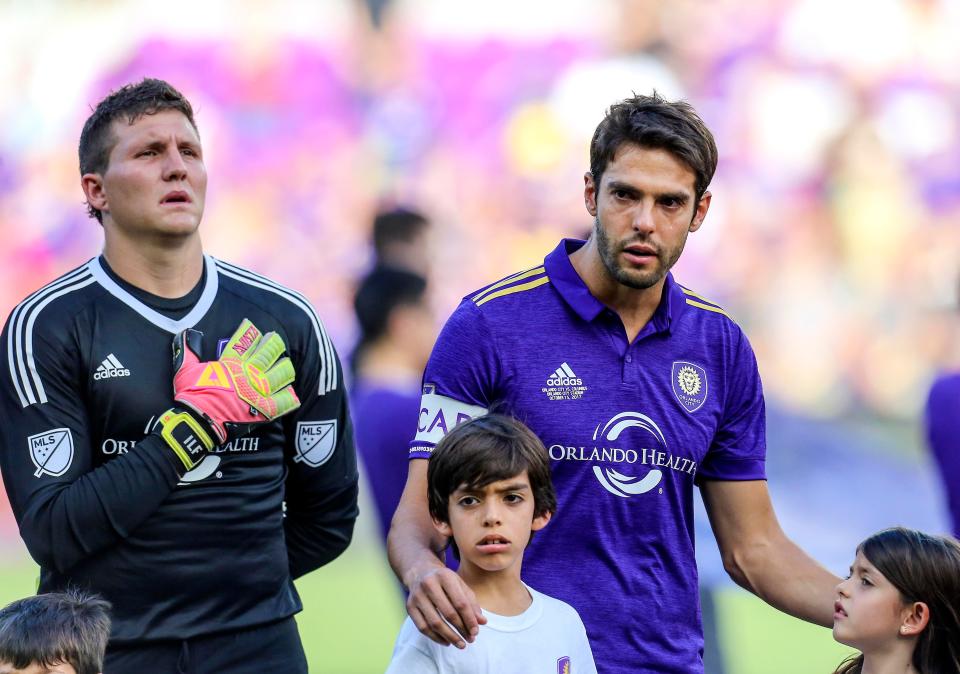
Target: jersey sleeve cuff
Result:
[[418, 450], [740, 470]]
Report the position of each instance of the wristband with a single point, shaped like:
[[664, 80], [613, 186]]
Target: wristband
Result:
[[185, 436]]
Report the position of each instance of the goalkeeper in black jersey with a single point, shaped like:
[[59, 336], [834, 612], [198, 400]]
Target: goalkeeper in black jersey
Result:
[[153, 448]]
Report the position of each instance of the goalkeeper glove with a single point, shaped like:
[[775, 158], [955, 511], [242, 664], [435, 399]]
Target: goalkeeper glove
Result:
[[224, 399]]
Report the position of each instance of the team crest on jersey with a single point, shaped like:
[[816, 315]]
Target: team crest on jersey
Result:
[[52, 452], [316, 441], [563, 665], [689, 384]]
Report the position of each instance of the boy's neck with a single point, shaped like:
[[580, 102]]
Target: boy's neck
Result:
[[500, 592]]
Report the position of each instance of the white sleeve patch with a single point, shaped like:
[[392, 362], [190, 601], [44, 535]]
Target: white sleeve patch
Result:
[[439, 414], [52, 452]]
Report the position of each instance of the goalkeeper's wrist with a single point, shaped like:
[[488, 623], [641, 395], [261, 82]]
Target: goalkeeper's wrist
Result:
[[185, 435]]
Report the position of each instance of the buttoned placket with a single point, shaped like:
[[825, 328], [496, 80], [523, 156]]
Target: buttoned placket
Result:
[[628, 353]]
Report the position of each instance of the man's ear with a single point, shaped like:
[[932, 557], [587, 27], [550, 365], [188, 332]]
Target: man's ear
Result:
[[590, 194], [914, 619], [92, 184], [701, 211], [540, 521]]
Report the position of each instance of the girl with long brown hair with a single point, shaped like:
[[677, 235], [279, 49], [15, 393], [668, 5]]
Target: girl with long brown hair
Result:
[[900, 605]]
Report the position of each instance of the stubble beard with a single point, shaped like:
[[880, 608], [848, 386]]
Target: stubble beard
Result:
[[631, 278]]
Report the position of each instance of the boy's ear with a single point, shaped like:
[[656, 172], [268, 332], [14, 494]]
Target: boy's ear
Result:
[[540, 521], [443, 528], [915, 619]]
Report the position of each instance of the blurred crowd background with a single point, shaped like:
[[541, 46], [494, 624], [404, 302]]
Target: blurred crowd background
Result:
[[834, 232], [833, 238]]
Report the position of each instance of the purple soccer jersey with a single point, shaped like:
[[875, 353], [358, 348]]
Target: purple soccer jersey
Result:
[[384, 416], [943, 436], [630, 429]]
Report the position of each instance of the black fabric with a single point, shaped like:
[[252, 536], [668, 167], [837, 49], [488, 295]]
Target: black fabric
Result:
[[105, 506], [174, 307], [269, 648]]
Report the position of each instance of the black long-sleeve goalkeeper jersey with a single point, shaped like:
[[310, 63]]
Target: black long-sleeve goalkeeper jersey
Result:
[[85, 370]]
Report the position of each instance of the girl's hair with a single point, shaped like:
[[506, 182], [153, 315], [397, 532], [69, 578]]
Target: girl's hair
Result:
[[923, 568]]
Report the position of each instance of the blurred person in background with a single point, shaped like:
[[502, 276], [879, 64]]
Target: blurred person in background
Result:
[[942, 423], [55, 633], [401, 241], [190, 507], [641, 389], [397, 331]]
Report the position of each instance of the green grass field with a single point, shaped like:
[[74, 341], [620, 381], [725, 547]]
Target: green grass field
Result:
[[757, 639], [353, 610]]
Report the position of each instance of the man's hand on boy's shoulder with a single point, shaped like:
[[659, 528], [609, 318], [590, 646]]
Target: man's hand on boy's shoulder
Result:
[[441, 605]]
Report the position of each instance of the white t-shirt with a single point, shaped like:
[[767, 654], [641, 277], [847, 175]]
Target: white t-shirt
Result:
[[547, 638]]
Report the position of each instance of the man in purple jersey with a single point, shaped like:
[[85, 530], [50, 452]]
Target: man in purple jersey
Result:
[[942, 420], [641, 390]]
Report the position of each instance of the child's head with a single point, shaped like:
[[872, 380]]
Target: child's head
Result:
[[904, 588], [496, 454], [66, 633]]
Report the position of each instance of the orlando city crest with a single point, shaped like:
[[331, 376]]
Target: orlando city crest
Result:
[[316, 441], [51, 452], [689, 384]]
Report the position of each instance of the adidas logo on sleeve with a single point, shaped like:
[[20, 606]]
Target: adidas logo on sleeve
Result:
[[111, 367]]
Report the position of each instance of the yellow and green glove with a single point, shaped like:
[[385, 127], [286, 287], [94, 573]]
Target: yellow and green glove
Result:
[[224, 399]]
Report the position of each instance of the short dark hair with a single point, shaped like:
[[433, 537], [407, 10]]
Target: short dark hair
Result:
[[484, 450], [396, 225], [379, 294], [653, 122], [57, 628], [130, 102]]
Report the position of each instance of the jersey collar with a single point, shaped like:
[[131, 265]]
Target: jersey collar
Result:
[[163, 322], [575, 293]]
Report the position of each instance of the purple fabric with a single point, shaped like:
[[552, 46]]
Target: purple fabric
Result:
[[384, 419], [627, 443], [943, 436]]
